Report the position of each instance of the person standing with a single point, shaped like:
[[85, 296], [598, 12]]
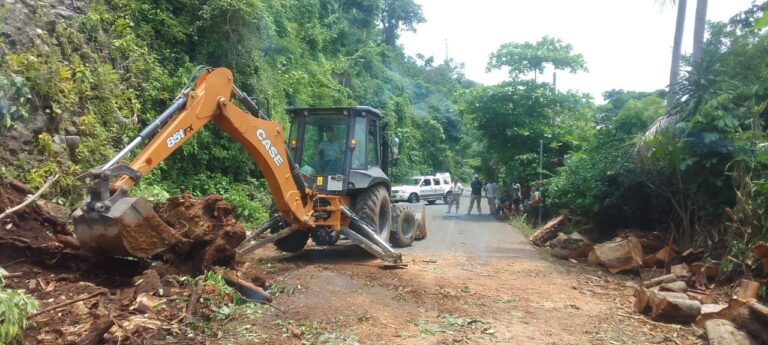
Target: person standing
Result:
[[516, 198], [475, 195], [490, 192], [455, 198], [535, 206]]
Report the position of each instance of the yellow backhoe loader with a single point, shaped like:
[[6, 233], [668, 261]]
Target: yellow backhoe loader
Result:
[[329, 180]]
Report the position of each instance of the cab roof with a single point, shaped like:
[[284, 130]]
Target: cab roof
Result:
[[333, 110]]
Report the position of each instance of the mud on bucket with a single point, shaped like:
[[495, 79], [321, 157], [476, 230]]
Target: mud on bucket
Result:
[[129, 228]]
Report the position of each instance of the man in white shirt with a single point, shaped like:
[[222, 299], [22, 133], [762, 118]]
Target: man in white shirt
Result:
[[490, 192], [455, 198]]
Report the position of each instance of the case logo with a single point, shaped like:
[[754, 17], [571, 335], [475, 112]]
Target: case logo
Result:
[[270, 148]]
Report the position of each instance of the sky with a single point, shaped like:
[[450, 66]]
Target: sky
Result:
[[627, 44]]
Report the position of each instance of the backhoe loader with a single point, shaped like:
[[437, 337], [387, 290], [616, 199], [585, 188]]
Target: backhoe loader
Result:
[[327, 181]]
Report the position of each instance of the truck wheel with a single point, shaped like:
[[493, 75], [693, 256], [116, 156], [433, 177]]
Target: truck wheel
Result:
[[447, 198], [373, 207], [413, 198], [293, 242], [403, 227]]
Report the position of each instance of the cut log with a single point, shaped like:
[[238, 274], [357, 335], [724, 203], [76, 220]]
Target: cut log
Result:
[[703, 298], [710, 269], [747, 289], [678, 286], [709, 309], [96, 331], [651, 242], [549, 231], [724, 332], [650, 273], [641, 300], [660, 258], [760, 250], [759, 310], [743, 315], [681, 270], [668, 278], [618, 256], [674, 309], [568, 247]]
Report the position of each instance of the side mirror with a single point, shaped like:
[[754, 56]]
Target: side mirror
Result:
[[395, 145]]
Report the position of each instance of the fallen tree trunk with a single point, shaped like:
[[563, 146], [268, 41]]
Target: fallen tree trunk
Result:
[[548, 231], [724, 332], [669, 278]]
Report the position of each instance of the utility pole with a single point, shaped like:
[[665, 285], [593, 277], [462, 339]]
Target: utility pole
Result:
[[541, 169]]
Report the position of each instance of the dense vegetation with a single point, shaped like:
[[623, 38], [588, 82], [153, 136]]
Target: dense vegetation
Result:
[[699, 172], [122, 62]]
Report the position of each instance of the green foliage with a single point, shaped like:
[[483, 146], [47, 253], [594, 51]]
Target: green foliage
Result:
[[399, 15], [524, 58], [14, 96], [15, 307]]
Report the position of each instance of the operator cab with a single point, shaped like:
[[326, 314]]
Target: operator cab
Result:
[[339, 150]]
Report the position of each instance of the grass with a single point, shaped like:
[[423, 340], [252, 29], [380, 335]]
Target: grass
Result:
[[521, 224]]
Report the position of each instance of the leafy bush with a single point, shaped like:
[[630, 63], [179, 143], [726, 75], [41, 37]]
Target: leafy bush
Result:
[[15, 307]]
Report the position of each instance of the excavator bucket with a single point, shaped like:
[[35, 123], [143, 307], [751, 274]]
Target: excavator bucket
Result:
[[130, 227]]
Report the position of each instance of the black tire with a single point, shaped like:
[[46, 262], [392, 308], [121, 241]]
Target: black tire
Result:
[[293, 242], [413, 198], [447, 198], [403, 226], [373, 207], [431, 202]]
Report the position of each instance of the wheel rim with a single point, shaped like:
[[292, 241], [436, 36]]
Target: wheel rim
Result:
[[408, 226], [412, 198]]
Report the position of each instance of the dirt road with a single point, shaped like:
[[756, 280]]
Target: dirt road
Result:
[[473, 280]]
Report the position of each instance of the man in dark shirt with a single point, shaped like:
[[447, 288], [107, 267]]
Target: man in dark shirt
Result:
[[475, 195]]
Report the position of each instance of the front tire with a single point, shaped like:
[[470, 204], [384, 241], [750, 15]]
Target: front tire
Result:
[[413, 198], [292, 243], [373, 207], [404, 226]]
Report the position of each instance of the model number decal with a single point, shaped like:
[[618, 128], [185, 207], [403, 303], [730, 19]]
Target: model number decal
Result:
[[177, 136], [270, 148]]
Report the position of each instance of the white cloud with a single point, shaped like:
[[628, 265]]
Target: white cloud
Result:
[[626, 43]]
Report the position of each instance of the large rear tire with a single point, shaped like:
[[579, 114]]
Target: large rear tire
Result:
[[404, 226], [373, 207]]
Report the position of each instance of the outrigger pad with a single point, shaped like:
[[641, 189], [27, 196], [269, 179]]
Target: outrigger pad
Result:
[[129, 228]]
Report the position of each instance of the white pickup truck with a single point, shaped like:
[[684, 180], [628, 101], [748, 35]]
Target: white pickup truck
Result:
[[427, 188]]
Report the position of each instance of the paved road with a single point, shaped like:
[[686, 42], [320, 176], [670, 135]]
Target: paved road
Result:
[[475, 234]]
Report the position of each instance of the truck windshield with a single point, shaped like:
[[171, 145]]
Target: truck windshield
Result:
[[414, 181]]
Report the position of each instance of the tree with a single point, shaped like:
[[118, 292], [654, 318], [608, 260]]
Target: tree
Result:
[[524, 58], [699, 28], [674, 69], [397, 15]]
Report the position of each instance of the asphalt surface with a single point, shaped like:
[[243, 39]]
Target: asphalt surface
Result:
[[479, 235]]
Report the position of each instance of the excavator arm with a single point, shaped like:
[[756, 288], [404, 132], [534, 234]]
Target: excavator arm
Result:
[[115, 223]]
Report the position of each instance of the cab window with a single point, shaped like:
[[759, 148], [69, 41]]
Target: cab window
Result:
[[426, 182], [358, 156], [437, 181], [373, 144]]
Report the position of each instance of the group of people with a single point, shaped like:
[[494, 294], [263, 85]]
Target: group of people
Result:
[[510, 203]]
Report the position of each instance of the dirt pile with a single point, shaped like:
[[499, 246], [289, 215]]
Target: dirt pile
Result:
[[210, 226], [32, 227], [92, 300]]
